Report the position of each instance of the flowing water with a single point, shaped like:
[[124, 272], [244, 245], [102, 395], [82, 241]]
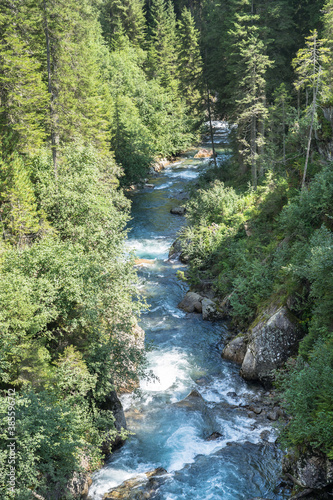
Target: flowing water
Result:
[[185, 355]]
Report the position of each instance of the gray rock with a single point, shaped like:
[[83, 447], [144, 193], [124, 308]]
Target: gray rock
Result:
[[178, 210], [235, 351], [151, 186], [256, 409], [210, 311], [191, 303], [311, 470], [264, 435], [273, 415], [273, 339]]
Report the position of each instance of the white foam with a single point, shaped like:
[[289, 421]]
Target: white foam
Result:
[[186, 445], [170, 367], [153, 248]]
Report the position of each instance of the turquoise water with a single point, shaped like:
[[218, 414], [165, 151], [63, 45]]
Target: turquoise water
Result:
[[186, 355]]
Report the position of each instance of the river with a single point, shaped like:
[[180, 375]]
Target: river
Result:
[[185, 354]]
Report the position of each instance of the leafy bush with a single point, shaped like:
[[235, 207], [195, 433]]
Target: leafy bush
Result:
[[308, 392]]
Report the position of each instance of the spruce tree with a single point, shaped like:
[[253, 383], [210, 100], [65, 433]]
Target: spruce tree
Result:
[[189, 61], [309, 66], [23, 93], [123, 18], [163, 44]]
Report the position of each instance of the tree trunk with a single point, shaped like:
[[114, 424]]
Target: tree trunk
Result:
[[253, 151], [211, 127], [284, 132]]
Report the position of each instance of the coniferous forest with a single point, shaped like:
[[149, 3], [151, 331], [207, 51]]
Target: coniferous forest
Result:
[[92, 95]]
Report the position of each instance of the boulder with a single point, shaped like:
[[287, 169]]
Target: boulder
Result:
[[273, 339], [311, 470], [139, 487], [235, 351], [178, 210], [210, 311], [191, 303], [150, 186], [203, 153]]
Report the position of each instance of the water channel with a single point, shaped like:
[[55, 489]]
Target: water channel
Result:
[[186, 355]]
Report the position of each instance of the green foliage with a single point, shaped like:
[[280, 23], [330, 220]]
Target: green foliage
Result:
[[309, 398]]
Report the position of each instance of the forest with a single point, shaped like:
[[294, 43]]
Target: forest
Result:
[[92, 94]]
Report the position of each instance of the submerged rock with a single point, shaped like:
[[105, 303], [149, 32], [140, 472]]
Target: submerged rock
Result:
[[235, 351], [178, 210], [191, 303], [273, 339], [139, 487], [193, 401]]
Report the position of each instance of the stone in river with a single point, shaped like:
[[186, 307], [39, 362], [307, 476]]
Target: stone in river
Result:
[[203, 153], [193, 401], [191, 303], [214, 436], [178, 210], [235, 351]]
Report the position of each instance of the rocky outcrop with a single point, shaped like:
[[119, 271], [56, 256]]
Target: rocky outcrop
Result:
[[191, 303], [139, 487], [273, 339], [178, 210], [312, 470], [236, 349], [79, 485]]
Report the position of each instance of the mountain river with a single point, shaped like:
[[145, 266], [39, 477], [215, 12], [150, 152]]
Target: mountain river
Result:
[[186, 355]]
